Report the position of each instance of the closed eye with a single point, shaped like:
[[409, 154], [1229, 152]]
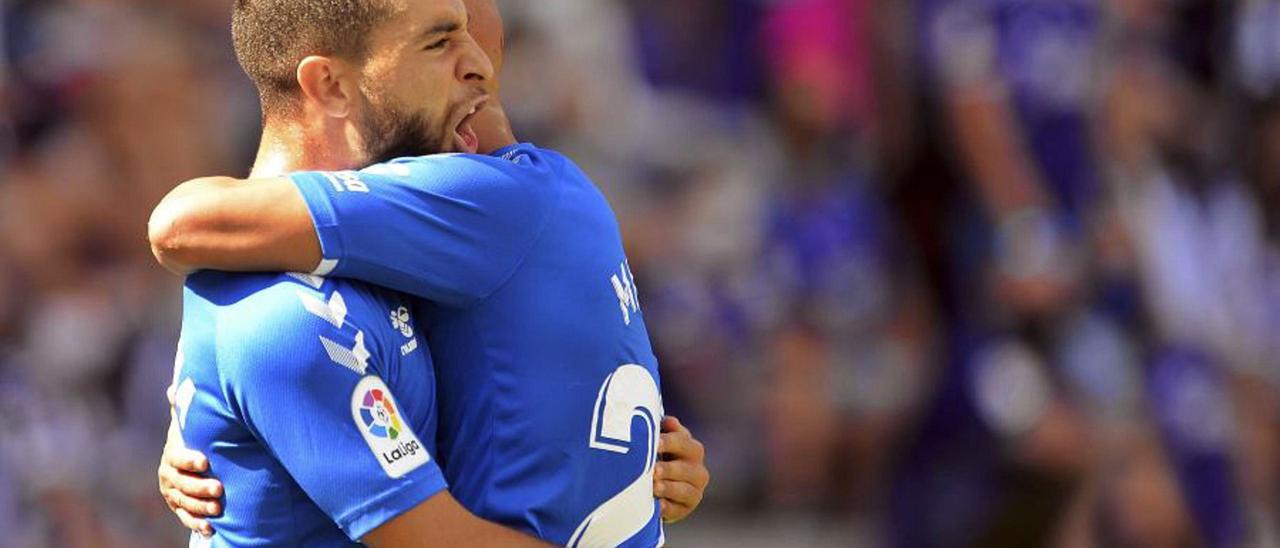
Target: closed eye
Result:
[[437, 45]]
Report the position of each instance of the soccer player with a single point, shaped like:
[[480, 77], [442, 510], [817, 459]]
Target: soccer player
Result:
[[549, 396], [289, 382]]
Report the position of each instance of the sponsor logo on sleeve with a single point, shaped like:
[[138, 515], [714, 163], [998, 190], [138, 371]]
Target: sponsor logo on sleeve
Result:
[[378, 417], [401, 322]]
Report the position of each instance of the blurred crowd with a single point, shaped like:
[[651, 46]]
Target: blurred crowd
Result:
[[918, 272]]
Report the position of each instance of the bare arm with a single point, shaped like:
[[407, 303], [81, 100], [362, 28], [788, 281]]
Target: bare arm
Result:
[[232, 224], [438, 521], [680, 478], [993, 150], [239, 225], [441, 521], [1032, 274]]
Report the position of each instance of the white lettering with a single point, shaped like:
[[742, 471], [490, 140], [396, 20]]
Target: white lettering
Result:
[[624, 286], [346, 181], [353, 182], [337, 185], [408, 347], [402, 451]]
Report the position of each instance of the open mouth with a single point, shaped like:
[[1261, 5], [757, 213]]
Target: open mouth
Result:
[[465, 136]]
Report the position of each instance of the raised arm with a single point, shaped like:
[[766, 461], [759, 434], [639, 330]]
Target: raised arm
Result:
[[223, 223], [259, 225], [679, 480], [1031, 273]]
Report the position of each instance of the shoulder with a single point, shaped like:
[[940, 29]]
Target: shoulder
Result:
[[247, 303], [519, 170], [267, 326], [514, 158]]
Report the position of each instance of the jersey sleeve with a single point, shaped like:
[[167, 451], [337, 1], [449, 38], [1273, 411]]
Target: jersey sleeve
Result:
[[308, 385], [449, 228]]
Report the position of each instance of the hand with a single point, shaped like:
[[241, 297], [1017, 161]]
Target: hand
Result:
[[189, 495], [1036, 268], [680, 477]]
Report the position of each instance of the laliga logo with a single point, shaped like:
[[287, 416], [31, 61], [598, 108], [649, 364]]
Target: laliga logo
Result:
[[379, 415], [381, 419], [401, 451]]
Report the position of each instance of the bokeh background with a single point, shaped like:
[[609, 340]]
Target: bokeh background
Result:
[[919, 272]]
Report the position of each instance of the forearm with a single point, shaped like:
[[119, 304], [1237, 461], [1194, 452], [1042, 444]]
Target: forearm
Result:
[[993, 152], [441, 521], [223, 223], [479, 534]]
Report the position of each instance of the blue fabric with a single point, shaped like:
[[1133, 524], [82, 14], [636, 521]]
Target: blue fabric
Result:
[[549, 391], [1192, 408], [271, 381]]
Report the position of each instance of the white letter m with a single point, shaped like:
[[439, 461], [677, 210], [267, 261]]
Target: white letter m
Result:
[[625, 287]]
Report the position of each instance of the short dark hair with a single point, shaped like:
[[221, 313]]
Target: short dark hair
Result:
[[272, 36]]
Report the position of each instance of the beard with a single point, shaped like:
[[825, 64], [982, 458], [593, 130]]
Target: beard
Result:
[[391, 133]]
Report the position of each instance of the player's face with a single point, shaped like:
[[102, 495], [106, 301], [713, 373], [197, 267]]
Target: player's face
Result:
[[424, 77], [487, 29]]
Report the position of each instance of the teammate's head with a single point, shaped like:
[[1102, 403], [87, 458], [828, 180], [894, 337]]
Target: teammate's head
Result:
[[487, 30], [402, 74]]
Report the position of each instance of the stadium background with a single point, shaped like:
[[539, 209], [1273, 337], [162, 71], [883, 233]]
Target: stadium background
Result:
[[877, 344]]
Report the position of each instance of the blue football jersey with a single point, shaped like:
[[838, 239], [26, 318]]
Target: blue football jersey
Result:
[[549, 394], [313, 401]]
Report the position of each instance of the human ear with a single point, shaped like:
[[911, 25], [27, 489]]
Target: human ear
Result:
[[322, 80]]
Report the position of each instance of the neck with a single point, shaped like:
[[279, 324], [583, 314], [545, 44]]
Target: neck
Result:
[[287, 147]]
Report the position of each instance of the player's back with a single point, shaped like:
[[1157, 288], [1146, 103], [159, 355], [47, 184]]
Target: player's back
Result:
[[271, 373], [550, 398]]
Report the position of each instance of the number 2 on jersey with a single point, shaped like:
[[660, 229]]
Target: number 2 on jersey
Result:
[[629, 392]]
